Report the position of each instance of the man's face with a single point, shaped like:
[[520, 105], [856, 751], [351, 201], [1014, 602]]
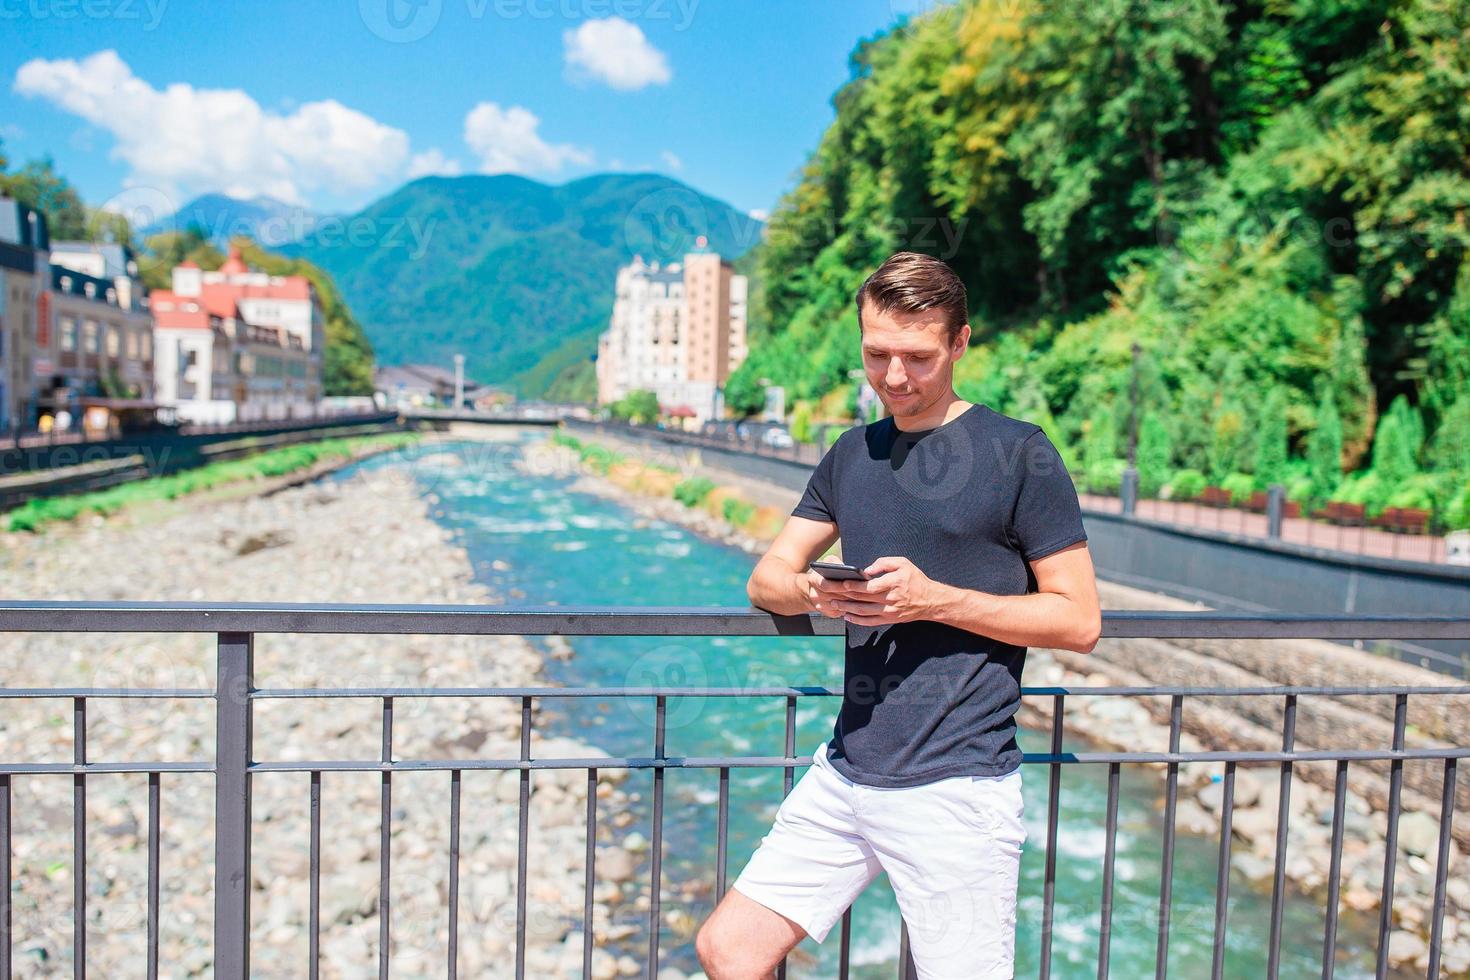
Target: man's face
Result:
[[908, 358]]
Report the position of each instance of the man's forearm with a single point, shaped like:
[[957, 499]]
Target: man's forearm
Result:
[[1039, 619], [777, 587]]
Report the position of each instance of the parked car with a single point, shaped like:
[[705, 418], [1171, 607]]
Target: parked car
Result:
[[777, 439]]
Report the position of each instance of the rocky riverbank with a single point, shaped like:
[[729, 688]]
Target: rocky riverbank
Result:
[[369, 539], [1247, 723]]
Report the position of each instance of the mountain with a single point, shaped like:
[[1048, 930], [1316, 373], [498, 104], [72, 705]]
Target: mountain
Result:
[[221, 217], [515, 274]]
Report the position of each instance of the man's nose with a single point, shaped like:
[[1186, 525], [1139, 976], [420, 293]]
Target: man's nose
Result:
[[894, 377]]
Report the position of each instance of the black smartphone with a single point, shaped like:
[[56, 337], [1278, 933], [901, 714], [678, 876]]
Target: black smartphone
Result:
[[836, 571]]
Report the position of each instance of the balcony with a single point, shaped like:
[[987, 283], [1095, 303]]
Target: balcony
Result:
[[236, 771]]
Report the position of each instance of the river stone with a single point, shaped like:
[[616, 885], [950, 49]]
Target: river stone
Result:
[[1254, 868], [616, 865], [1418, 833], [1405, 947]]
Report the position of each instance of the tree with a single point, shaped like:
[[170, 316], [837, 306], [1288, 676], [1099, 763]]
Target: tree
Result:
[[1271, 448], [1324, 448], [1154, 454], [639, 407], [1393, 446], [1450, 449], [37, 185]]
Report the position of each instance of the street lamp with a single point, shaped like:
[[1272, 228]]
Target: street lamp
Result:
[[458, 381]]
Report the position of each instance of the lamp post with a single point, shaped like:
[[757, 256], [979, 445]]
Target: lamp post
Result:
[[458, 381]]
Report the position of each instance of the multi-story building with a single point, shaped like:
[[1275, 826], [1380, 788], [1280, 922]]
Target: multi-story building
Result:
[[23, 305], [100, 337], [678, 331], [237, 344]]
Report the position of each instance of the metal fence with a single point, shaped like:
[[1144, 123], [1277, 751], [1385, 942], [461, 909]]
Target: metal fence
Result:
[[235, 694]]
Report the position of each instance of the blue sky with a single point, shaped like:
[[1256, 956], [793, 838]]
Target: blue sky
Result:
[[332, 104]]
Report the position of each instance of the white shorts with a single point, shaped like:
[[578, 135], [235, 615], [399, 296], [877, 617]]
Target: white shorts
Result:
[[952, 850]]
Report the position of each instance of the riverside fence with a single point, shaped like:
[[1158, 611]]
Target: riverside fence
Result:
[[233, 767]]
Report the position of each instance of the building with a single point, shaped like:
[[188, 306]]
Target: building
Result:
[[23, 304], [237, 344], [99, 344], [677, 330]]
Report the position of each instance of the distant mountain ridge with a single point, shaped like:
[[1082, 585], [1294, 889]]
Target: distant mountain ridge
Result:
[[222, 217], [517, 275]]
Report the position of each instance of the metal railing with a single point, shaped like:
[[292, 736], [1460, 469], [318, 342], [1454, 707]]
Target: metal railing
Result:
[[235, 695]]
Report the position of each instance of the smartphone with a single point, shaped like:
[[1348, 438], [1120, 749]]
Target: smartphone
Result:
[[836, 571]]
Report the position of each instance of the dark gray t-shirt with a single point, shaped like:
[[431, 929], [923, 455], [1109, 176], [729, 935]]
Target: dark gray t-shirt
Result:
[[970, 503]]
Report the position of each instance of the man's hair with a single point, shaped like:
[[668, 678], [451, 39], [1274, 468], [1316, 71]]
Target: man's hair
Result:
[[909, 282]]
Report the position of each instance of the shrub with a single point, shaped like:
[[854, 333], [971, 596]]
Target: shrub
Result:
[[599, 458], [1240, 487], [692, 491], [1187, 484], [1457, 514], [801, 423], [738, 512], [1105, 476], [1299, 488]]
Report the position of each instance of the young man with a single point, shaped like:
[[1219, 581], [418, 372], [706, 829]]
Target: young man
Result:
[[968, 526]]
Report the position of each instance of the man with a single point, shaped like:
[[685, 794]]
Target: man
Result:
[[968, 526]]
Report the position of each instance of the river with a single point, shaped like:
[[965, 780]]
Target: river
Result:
[[532, 540]]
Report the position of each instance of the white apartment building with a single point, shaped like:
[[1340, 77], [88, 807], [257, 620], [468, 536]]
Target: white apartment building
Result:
[[677, 330]]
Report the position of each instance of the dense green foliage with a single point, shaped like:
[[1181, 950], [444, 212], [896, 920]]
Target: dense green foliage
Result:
[[514, 274], [1268, 197]]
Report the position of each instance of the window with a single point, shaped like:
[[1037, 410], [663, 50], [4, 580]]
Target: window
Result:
[[112, 341], [147, 347], [89, 337], [132, 346], [68, 334]]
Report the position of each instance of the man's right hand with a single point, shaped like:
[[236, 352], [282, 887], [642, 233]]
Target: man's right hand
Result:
[[823, 593]]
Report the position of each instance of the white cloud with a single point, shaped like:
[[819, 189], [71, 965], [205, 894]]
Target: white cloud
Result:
[[616, 52], [507, 141], [433, 161], [759, 214], [671, 160], [184, 140]]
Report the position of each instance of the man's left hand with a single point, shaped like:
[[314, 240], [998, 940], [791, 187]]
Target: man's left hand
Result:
[[897, 593]]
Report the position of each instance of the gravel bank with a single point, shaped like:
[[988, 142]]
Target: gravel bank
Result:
[[369, 540]]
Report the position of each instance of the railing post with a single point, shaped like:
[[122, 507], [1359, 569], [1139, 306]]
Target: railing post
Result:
[[236, 654], [1128, 490], [1275, 509]]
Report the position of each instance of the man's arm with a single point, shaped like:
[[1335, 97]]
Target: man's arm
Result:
[[781, 582], [1063, 614]]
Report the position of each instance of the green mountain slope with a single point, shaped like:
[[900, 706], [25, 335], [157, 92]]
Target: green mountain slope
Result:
[[515, 274]]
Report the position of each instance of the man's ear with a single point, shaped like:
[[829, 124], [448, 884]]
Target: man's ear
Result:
[[961, 342]]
